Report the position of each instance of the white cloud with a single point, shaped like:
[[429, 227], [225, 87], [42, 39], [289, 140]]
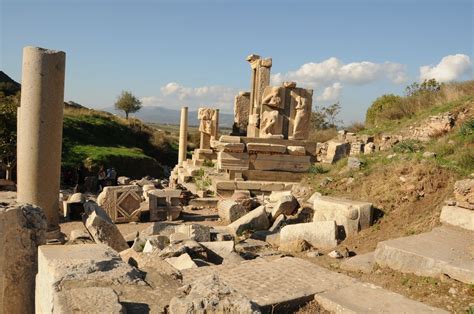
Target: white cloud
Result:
[[174, 95], [450, 68], [334, 70], [330, 93]]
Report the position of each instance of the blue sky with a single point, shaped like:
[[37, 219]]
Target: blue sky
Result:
[[174, 53]]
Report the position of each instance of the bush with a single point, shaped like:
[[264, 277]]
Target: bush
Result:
[[386, 105]]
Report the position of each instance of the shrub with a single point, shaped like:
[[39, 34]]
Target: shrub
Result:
[[316, 169], [377, 112], [408, 146]]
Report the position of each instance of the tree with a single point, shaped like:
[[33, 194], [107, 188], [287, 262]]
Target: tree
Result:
[[128, 103], [325, 117], [428, 86], [8, 114]]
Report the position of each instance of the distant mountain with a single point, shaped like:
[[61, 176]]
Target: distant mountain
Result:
[[155, 114], [8, 85]]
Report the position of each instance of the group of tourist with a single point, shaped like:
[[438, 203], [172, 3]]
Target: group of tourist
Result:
[[105, 177]]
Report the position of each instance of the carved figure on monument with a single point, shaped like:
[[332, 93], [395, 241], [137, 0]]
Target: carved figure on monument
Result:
[[303, 102], [205, 116], [206, 126], [272, 97], [269, 122]]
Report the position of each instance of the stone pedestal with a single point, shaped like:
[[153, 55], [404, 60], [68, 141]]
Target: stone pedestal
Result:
[[40, 124], [183, 135]]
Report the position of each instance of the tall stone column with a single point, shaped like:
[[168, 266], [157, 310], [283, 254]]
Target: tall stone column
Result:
[[215, 119], [40, 126], [183, 136]]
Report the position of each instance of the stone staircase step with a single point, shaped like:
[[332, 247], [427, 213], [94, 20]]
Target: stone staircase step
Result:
[[444, 250]]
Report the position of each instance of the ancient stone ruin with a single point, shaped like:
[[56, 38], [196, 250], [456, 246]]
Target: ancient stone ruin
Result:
[[235, 232]]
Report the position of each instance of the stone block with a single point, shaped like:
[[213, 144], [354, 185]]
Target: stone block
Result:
[[443, 250], [229, 139], [159, 228], [352, 215], [230, 210], [296, 150], [64, 268], [458, 216], [280, 163], [321, 234], [102, 228], [229, 147], [464, 191], [232, 161], [211, 295], [22, 230], [199, 233], [121, 203], [88, 300], [181, 262], [156, 243], [255, 220], [221, 252], [286, 205], [272, 186], [266, 148], [336, 151], [164, 204]]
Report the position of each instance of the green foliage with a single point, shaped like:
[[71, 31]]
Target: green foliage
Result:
[[428, 86], [382, 108], [201, 180], [467, 128], [8, 113], [316, 169], [128, 103], [408, 146], [208, 163]]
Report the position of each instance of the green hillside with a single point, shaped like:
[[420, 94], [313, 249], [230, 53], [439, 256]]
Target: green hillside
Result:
[[98, 138]]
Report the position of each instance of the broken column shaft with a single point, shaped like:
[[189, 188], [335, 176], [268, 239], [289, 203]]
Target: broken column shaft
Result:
[[40, 123], [183, 135]]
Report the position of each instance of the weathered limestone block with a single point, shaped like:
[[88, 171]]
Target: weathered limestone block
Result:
[[156, 242], [255, 220], [352, 215], [210, 295], [164, 204], [22, 230], [229, 139], [65, 268], [102, 228], [363, 263], [320, 234], [296, 150], [433, 126], [241, 113], [356, 149], [159, 228], [230, 210], [266, 148], [464, 191], [88, 300], [232, 161], [369, 148], [121, 203], [286, 205], [196, 232], [280, 162], [458, 216], [221, 252], [181, 262], [228, 147], [336, 151]]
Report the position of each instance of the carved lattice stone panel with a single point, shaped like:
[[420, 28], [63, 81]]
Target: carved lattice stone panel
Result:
[[122, 203]]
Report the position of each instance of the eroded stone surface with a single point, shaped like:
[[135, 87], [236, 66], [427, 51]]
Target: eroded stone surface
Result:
[[22, 230], [320, 234]]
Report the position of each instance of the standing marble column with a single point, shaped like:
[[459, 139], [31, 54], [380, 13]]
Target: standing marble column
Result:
[[183, 136], [40, 126]]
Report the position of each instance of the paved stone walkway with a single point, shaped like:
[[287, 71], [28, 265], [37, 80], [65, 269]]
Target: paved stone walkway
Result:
[[293, 281]]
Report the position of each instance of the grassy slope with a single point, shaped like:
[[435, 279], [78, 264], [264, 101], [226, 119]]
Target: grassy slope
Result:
[[97, 138], [408, 189]]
